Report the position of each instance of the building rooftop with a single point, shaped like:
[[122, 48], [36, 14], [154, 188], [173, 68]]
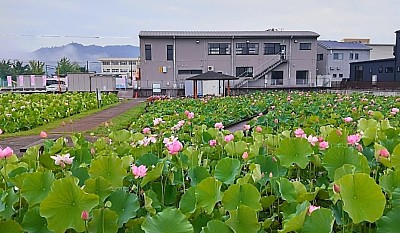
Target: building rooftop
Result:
[[199, 34], [328, 44]]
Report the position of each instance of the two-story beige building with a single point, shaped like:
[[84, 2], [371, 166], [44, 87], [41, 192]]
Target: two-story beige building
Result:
[[126, 68]]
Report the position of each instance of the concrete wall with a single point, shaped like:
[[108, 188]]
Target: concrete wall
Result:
[[192, 54], [89, 82]]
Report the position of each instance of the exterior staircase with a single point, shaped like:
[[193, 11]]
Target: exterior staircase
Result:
[[263, 69]]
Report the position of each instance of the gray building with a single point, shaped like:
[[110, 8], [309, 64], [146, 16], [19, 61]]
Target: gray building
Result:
[[259, 58], [334, 58]]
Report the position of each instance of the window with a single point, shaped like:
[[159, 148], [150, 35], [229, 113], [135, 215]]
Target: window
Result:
[[340, 75], [186, 72], [359, 73], [106, 70], [389, 70], [305, 46], [301, 77], [115, 70], [219, 49], [115, 63], [337, 56], [123, 70], [244, 71], [334, 75], [380, 69], [147, 52], [398, 69], [132, 63], [272, 48], [356, 56], [351, 56], [277, 78], [170, 52], [370, 70], [123, 63], [106, 63], [320, 57], [247, 48]]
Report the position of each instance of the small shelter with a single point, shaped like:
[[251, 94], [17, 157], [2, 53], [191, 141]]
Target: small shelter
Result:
[[209, 76]]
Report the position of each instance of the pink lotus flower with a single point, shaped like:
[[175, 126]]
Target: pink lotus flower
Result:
[[336, 188], [6, 152], [312, 140], [353, 139], [212, 143], [246, 127], [384, 152], [370, 112], [312, 209], [323, 145], [229, 138], [85, 215], [174, 147], [187, 112], [43, 134], [219, 125], [396, 110], [146, 130], [1, 132], [139, 172], [245, 155], [276, 120], [158, 121], [92, 151], [61, 160], [258, 129], [299, 133], [359, 148], [348, 119], [190, 115]]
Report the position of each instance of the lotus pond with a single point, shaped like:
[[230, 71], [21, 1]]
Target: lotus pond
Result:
[[307, 162], [22, 112]]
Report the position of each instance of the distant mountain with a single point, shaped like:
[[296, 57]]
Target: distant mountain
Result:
[[83, 54]]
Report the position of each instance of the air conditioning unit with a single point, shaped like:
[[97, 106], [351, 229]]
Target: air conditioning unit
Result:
[[210, 68], [332, 68]]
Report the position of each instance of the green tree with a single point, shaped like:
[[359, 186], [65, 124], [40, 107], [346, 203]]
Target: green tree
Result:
[[65, 66], [36, 67], [19, 68], [5, 70]]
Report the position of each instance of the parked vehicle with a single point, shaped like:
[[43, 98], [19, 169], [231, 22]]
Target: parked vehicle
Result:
[[56, 85]]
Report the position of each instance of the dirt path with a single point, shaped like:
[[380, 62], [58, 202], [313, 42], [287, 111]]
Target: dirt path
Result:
[[82, 125]]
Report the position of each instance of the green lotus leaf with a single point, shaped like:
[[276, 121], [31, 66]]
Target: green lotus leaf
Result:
[[120, 136], [197, 174], [17, 176], [362, 197], [10, 226], [33, 222], [64, 205], [208, 193], [155, 203], [320, 220], [110, 168], [193, 155], [124, 204], [364, 124], [369, 135], [294, 150], [395, 157], [188, 201], [154, 174], [168, 221], [287, 190], [390, 222], [396, 198], [99, 186], [148, 204], [344, 170], [216, 226], [243, 220], [148, 160], [103, 221], [8, 199], [336, 157], [295, 221], [245, 194], [266, 202], [269, 165], [390, 181], [134, 225], [36, 186], [227, 169]]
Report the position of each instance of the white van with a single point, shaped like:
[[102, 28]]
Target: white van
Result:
[[56, 85]]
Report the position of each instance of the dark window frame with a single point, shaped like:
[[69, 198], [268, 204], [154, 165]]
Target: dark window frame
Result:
[[277, 78], [356, 56], [370, 70], [147, 52], [272, 48], [305, 46], [219, 48], [244, 71], [189, 72], [170, 52], [336, 56], [351, 56], [389, 69], [247, 48], [302, 75], [320, 57]]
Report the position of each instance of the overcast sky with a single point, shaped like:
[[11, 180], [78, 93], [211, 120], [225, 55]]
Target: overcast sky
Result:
[[24, 23]]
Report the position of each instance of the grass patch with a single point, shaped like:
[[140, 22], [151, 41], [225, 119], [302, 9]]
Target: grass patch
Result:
[[122, 121], [57, 123]]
